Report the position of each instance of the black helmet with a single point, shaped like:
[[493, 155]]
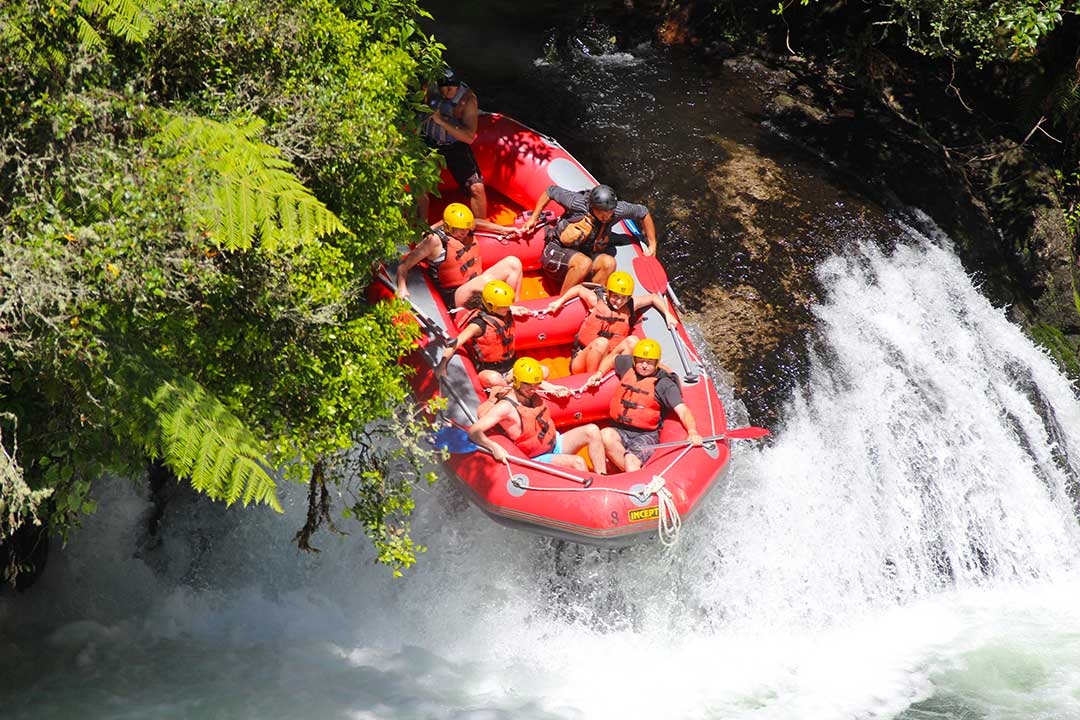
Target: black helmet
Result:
[[602, 197], [449, 77]]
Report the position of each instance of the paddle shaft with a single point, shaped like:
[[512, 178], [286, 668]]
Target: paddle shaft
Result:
[[690, 376], [746, 433], [654, 279], [532, 464]]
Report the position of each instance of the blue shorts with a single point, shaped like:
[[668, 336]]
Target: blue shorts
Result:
[[557, 450]]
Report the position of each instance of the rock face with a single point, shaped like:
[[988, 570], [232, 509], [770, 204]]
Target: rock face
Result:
[[994, 198], [909, 133]]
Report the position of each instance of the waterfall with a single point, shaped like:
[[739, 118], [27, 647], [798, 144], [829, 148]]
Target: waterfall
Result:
[[905, 546], [934, 445]]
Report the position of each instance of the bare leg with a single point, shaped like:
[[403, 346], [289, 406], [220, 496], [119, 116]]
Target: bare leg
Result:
[[579, 268], [492, 379], [571, 462], [509, 270], [579, 437], [602, 267], [589, 358], [477, 200], [626, 347], [620, 458]]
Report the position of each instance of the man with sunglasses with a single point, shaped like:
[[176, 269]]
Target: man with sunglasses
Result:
[[645, 393]]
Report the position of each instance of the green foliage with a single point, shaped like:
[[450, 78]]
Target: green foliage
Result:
[[1055, 342], [967, 29], [124, 18], [247, 193], [19, 504], [1070, 182], [379, 471], [188, 226], [200, 439]]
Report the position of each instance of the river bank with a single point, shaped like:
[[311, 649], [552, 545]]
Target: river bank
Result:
[[961, 143]]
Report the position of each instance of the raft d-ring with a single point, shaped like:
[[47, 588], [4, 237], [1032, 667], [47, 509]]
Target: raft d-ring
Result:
[[517, 485], [711, 449], [639, 496], [541, 336]]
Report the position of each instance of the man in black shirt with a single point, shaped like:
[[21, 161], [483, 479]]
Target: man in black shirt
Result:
[[579, 245], [645, 393]]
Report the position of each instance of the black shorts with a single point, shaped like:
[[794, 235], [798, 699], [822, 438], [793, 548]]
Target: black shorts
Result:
[[462, 164], [500, 367], [555, 260], [635, 440]]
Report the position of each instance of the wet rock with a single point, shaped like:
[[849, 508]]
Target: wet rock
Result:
[[786, 105]]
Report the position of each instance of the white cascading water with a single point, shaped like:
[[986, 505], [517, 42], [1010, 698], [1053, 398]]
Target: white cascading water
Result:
[[905, 548]]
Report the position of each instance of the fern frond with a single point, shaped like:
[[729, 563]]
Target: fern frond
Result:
[[204, 442], [127, 19], [88, 36], [253, 195], [1066, 99]]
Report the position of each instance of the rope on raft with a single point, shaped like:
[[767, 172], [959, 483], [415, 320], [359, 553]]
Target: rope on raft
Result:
[[669, 522]]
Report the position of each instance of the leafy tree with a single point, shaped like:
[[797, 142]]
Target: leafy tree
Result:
[[193, 194], [964, 29]]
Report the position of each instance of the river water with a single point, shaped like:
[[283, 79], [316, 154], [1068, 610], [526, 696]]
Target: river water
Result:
[[905, 547]]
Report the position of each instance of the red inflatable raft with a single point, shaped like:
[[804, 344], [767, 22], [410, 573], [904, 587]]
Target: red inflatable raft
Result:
[[518, 164]]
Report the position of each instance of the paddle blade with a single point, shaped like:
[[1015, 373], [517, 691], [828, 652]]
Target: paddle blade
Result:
[[746, 433], [454, 440], [651, 273]]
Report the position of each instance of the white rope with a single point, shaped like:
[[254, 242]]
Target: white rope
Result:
[[669, 521]]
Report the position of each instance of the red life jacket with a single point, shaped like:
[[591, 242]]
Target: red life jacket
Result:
[[496, 343], [460, 263], [604, 321], [537, 429], [634, 402]]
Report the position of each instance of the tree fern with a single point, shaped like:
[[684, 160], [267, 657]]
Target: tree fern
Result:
[[127, 19], [249, 192], [199, 439], [89, 38], [1065, 98]]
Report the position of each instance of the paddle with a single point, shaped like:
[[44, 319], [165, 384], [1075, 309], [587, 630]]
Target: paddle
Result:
[[746, 433], [654, 279], [435, 330], [432, 327], [457, 441]]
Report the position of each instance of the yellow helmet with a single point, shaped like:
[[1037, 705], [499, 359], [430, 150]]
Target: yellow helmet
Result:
[[458, 217], [497, 294], [621, 283], [647, 349], [528, 371]]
